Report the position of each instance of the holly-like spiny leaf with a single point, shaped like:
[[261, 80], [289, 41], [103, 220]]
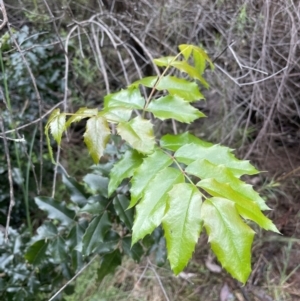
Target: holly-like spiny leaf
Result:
[[174, 142], [151, 209], [135, 252], [129, 98], [124, 169], [175, 86], [36, 253], [95, 233], [55, 210], [229, 236], [138, 133], [148, 170], [182, 224], [82, 113], [96, 137], [204, 169], [121, 203], [109, 263], [215, 154], [174, 107], [246, 207]]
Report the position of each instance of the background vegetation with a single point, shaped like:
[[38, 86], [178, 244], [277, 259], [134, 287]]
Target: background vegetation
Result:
[[72, 53]]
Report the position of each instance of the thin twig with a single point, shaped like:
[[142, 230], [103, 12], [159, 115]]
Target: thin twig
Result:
[[10, 180], [72, 279], [4, 14]]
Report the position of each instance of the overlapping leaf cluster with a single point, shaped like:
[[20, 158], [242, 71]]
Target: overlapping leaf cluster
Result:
[[180, 182]]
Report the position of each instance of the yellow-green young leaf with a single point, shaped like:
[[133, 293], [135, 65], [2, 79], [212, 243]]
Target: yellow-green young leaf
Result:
[[185, 50], [148, 170], [174, 142], [124, 169], [164, 61], [138, 132], [117, 114], [184, 66], [170, 106], [230, 238], [53, 115], [204, 55], [215, 154], [182, 224], [130, 98], [57, 126], [81, 114], [246, 207], [175, 86], [199, 61], [96, 136], [204, 169], [151, 209]]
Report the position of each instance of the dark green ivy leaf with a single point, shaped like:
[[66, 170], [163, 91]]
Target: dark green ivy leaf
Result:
[[36, 253]]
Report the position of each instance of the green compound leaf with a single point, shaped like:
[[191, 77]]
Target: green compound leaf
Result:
[[182, 66], [95, 233], [182, 224], [229, 236], [215, 154], [246, 207], [175, 86], [81, 114], [174, 142], [57, 126], [130, 98], [204, 169], [138, 133], [151, 209], [56, 210], [124, 169], [174, 107], [96, 137], [109, 263], [149, 169], [36, 253], [121, 204]]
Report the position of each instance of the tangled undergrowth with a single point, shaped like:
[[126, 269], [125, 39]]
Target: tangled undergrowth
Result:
[[254, 101]]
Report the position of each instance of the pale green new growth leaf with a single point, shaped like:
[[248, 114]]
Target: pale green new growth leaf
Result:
[[53, 116], [216, 154], [148, 170], [124, 169], [130, 98], [138, 133], [151, 209], [182, 66], [81, 114], [57, 127], [175, 86], [117, 114], [246, 207], [204, 169], [229, 236], [170, 106], [96, 136], [185, 50], [182, 224], [174, 142], [199, 61]]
